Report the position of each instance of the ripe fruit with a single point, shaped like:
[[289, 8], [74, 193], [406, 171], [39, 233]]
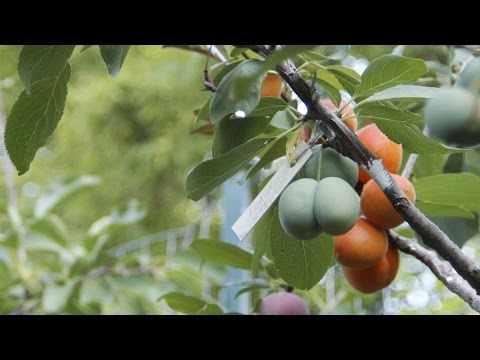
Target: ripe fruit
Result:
[[346, 113], [332, 164], [272, 85], [283, 303], [454, 117], [377, 208], [362, 247], [469, 78], [295, 209], [337, 206], [381, 146], [377, 277]]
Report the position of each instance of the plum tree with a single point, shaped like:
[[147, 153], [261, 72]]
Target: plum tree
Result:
[[283, 303], [377, 277], [381, 146], [454, 116], [327, 162], [337, 206], [295, 209], [378, 209], [361, 247], [272, 85]]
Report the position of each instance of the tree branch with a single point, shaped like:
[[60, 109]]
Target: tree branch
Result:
[[442, 269], [347, 143]]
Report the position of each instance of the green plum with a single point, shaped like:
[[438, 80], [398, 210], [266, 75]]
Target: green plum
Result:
[[336, 206], [469, 78], [295, 209], [453, 116], [327, 162]]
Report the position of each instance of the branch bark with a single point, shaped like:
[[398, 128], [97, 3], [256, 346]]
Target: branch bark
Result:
[[347, 143], [442, 269]]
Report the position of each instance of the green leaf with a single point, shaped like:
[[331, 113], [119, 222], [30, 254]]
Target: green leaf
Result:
[[413, 139], [455, 163], [34, 117], [251, 288], [428, 165], [381, 113], [459, 230], [237, 51], [326, 52], [55, 297], [114, 56], [230, 133], [403, 93], [211, 309], [328, 77], [38, 62], [182, 303], [223, 253], [284, 53], [430, 208], [204, 113], [269, 105], [388, 71], [261, 232], [220, 70], [121, 216], [300, 263], [237, 91], [332, 92], [272, 152], [190, 305], [460, 189], [85, 48], [349, 78], [206, 176], [58, 193], [52, 227], [347, 72], [400, 127], [283, 120]]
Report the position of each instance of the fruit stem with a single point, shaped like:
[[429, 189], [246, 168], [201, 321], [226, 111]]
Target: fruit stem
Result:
[[340, 111]]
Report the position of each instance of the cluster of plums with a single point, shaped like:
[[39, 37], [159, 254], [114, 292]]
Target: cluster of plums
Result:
[[325, 200], [454, 115]]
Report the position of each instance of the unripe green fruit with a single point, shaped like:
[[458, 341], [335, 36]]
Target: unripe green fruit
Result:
[[332, 164], [295, 209], [337, 206], [469, 78], [453, 117]]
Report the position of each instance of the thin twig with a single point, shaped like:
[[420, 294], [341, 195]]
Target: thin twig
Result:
[[441, 269], [209, 85], [409, 166]]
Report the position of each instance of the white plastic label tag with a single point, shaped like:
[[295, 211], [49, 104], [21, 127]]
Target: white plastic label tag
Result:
[[271, 192]]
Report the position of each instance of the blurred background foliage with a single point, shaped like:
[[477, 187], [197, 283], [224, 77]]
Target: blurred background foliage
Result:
[[102, 224]]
